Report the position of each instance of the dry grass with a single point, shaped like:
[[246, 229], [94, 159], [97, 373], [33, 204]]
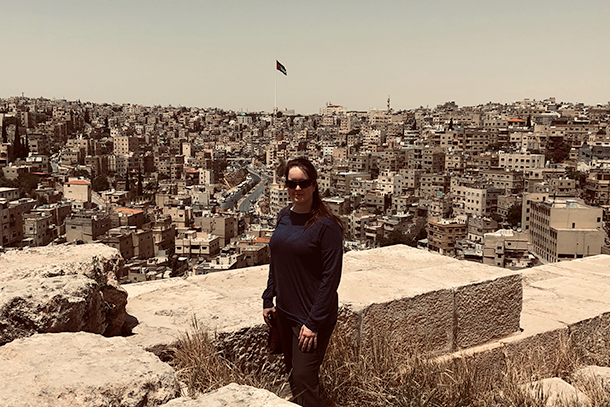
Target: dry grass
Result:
[[382, 375], [202, 369]]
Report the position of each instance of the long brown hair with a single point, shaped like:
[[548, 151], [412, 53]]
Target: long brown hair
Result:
[[318, 207]]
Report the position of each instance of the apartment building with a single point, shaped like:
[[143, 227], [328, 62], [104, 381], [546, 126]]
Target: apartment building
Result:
[[225, 227], [469, 201], [510, 181], [564, 229], [123, 145], [358, 222], [38, 229], [597, 188], [10, 194], [433, 160], [181, 215], [78, 191], [443, 234], [255, 252], [377, 201], [87, 226], [506, 248], [13, 172], [520, 161], [434, 185], [163, 232], [194, 244], [11, 223], [278, 197], [478, 226]]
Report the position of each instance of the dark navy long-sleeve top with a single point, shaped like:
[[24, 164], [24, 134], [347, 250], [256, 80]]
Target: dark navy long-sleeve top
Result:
[[305, 269]]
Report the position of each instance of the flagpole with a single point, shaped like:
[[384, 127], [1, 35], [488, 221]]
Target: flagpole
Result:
[[275, 106]]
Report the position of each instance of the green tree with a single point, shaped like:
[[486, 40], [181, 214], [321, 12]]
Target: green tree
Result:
[[514, 215], [26, 147], [281, 168], [82, 173], [4, 135], [139, 186], [28, 182], [100, 183], [394, 237], [17, 142]]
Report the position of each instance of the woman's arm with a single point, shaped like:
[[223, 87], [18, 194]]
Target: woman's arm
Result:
[[325, 303]]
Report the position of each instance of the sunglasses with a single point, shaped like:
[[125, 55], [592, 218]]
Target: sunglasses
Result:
[[303, 184]]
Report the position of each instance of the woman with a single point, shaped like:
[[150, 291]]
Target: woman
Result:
[[304, 274]]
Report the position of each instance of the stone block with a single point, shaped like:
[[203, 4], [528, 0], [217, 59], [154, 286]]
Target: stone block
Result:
[[488, 361], [101, 263], [58, 304], [539, 354], [424, 322], [233, 395], [592, 339], [557, 393], [82, 369], [487, 310], [595, 377]]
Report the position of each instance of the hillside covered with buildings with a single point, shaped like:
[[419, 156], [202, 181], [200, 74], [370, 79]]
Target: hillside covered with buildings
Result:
[[189, 190]]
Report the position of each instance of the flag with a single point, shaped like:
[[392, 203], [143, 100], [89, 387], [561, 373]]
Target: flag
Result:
[[280, 67]]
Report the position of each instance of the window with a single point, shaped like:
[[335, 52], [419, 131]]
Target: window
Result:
[[573, 225]]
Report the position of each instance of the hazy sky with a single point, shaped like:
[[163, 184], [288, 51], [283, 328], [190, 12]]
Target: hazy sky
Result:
[[353, 53]]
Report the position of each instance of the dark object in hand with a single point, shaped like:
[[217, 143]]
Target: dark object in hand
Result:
[[274, 344]]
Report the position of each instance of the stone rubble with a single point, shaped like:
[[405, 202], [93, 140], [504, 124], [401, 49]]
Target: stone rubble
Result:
[[97, 262], [58, 304], [233, 395], [82, 370]]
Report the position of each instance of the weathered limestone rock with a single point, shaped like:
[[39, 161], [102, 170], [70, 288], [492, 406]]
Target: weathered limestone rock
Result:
[[96, 261], [233, 395], [565, 307], [424, 321], [488, 310], [82, 369], [417, 297], [558, 393], [58, 304], [435, 301], [594, 376]]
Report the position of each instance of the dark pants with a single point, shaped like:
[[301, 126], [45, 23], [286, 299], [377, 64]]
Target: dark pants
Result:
[[303, 367]]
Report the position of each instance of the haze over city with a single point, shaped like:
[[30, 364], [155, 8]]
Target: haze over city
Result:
[[222, 54]]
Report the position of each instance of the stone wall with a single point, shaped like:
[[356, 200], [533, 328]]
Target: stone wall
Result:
[[436, 303]]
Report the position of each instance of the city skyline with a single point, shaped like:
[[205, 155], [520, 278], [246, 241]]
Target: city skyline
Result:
[[355, 54]]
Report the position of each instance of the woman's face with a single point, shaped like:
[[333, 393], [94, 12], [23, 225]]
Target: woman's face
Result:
[[300, 196]]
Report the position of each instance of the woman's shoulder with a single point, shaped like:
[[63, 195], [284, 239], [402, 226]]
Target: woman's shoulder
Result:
[[331, 223]]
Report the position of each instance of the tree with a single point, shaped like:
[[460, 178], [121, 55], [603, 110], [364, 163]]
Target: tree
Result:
[[281, 168], [514, 215], [394, 237], [139, 186], [28, 182], [529, 121], [82, 173], [26, 147], [4, 135], [100, 183], [17, 142], [451, 124]]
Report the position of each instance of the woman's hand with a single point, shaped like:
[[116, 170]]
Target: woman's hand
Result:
[[307, 339], [268, 315]]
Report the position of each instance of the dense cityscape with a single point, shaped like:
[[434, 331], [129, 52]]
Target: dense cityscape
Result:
[[183, 190]]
